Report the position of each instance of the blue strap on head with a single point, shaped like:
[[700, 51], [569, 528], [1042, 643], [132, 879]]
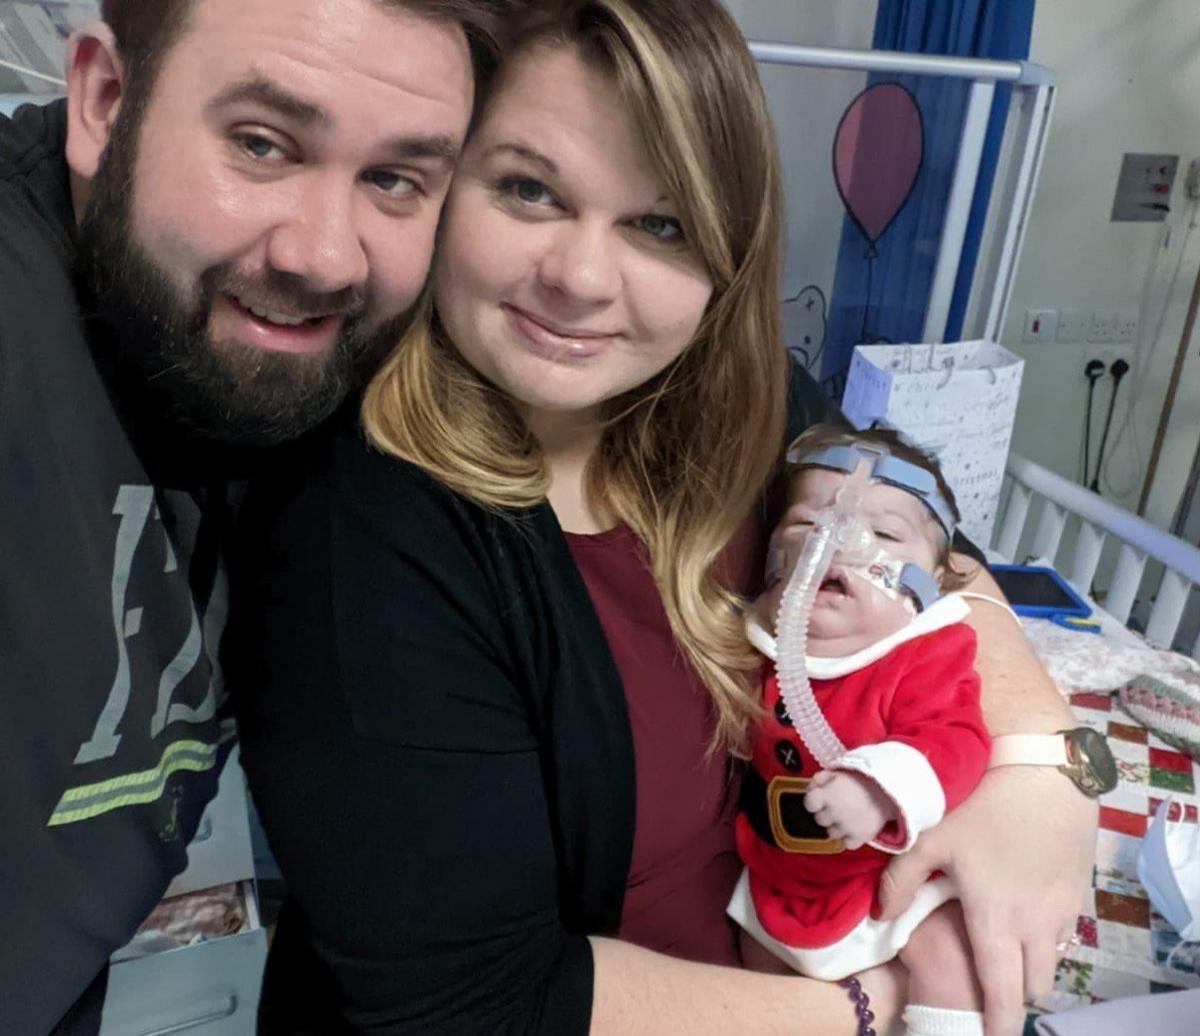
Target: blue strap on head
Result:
[[895, 472], [920, 584]]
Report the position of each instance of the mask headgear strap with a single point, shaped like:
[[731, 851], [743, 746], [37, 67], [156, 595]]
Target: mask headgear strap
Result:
[[885, 468]]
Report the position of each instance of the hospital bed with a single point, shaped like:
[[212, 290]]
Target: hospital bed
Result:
[[1047, 516], [1141, 581]]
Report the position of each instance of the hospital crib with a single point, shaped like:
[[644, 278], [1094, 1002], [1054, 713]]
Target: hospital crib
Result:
[[1151, 585]]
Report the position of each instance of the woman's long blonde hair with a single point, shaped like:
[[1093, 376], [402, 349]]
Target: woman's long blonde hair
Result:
[[684, 458]]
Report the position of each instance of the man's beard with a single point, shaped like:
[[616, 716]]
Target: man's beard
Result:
[[222, 391]]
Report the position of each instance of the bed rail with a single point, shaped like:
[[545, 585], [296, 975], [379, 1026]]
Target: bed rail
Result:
[[1099, 521]]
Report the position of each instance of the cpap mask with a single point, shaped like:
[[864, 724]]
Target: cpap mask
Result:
[[1168, 865], [842, 531]]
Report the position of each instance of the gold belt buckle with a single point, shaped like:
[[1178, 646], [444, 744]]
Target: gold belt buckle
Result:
[[776, 789]]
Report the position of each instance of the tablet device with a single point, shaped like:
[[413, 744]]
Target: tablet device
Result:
[[1038, 591]]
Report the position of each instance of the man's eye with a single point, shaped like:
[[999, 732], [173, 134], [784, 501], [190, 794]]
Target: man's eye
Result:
[[395, 184], [662, 228]]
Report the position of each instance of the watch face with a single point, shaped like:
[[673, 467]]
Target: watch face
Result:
[[1096, 763]]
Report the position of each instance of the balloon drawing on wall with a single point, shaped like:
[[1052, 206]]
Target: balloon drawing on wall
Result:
[[877, 155]]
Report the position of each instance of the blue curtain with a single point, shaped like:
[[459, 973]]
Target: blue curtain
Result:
[[884, 298]]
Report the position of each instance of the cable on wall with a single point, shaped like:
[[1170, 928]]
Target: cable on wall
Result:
[[1127, 431], [1093, 372], [1164, 420], [1117, 372]]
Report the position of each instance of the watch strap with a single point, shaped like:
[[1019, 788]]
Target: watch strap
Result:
[[1028, 750]]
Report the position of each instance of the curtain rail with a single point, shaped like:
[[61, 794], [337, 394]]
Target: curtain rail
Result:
[[1021, 72]]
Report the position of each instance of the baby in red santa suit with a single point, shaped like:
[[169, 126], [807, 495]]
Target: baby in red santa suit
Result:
[[891, 664]]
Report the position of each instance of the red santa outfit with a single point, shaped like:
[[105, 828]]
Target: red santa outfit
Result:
[[907, 710]]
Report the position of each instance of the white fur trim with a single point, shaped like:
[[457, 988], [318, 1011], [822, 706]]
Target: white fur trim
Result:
[[945, 611], [907, 779], [869, 943]]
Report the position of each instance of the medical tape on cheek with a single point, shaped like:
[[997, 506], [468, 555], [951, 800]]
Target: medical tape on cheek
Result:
[[885, 575]]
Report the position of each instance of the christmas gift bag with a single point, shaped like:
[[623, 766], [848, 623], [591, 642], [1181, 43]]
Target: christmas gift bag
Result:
[[958, 400]]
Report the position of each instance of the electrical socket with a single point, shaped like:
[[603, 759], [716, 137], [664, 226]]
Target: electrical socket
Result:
[[1073, 325], [1126, 330], [1103, 327]]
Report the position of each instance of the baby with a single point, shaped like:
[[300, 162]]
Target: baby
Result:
[[892, 668]]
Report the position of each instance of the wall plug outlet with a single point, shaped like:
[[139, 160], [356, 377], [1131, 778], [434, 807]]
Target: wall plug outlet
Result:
[[1103, 327], [1126, 329]]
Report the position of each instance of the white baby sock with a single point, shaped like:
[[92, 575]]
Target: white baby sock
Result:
[[941, 1021]]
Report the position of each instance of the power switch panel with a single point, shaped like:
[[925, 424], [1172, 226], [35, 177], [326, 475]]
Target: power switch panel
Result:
[[1144, 188], [1040, 325]]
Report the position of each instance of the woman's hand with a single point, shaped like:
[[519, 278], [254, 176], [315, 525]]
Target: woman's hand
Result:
[[1020, 850]]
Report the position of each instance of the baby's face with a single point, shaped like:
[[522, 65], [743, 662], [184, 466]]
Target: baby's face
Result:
[[849, 613]]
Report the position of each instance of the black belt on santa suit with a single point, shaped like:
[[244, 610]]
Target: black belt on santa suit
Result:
[[776, 811]]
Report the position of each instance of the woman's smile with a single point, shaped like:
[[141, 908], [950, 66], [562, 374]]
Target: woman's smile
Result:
[[554, 342]]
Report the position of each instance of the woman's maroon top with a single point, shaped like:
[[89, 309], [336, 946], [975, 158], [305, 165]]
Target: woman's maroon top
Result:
[[684, 863]]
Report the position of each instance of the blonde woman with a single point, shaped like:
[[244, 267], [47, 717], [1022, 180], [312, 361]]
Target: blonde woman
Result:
[[488, 655]]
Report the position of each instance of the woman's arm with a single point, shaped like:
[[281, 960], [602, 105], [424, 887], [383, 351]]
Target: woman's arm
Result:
[[640, 993], [1018, 695], [394, 761], [1018, 902]]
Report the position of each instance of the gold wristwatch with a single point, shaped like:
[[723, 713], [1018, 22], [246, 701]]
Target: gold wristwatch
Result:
[[1081, 753]]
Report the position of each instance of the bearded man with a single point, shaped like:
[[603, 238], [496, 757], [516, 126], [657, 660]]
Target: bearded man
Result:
[[203, 251]]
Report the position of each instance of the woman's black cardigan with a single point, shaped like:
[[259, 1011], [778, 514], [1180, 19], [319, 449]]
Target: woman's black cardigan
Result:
[[436, 737]]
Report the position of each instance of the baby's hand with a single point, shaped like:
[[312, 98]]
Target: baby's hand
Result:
[[850, 807]]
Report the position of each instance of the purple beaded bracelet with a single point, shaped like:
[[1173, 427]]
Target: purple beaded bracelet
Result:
[[861, 1005]]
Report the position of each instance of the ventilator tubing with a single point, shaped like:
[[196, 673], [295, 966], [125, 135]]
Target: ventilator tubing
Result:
[[837, 529]]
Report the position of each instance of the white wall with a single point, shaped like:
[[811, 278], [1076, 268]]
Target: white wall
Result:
[[806, 105], [811, 23], [1129, 80]]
